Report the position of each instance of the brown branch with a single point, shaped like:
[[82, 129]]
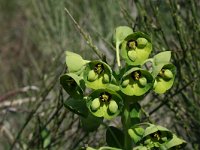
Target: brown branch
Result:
[[17, 91]]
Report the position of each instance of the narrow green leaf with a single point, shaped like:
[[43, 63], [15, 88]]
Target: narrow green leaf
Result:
[[47, 141], [114, 137], [90, 123], [46, 137], [78, 106], [73, 84]]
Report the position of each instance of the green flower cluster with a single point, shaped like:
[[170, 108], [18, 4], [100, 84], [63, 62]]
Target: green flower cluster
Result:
[[96, 91], [149, 136]]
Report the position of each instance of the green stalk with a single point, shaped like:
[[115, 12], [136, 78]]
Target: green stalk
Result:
[[126, 122], [117, 54]]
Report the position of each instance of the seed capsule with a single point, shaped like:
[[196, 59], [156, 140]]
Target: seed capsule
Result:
[[132, 55], [95, 104], [168, 74], [92, 75], [113, 107], [143, 81], [141, 42], [106, 78], [125, 83]]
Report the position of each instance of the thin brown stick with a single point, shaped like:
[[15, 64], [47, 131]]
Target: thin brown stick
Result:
[[17, 91]]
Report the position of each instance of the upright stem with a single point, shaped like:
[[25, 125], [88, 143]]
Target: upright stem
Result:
[[117, 54], [126, 125]]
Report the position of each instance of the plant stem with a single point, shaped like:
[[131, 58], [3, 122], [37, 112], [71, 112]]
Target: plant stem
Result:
[[117, 54], [126, 122]]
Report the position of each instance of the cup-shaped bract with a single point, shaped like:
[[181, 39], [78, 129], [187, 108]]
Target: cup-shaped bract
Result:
[[156, 133], [121, 33], [104, 103], [150, 135], [97, 75], [135, 49], [159, 61], [165, 78], [72, 84], [136, 82], [175, 143]]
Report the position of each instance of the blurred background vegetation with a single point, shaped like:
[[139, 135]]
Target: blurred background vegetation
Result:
[[34, 35]]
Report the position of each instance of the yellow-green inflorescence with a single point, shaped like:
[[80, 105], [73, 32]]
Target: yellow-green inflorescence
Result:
[[137, 82], [165, 79], [105, 98], [97, 75], [104, 104], [136, 48]]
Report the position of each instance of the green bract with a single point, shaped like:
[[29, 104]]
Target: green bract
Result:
[[159, 61], [104, 103], [121, 33], [156, 133], [97, 75], [175, 143], [136, 82], [154, 136], [136, 48], [75, 63], [136, 133], [165, 78], [72, 84]]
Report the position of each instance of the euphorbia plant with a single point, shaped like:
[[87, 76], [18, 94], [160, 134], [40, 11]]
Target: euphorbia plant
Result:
[[96, 92]]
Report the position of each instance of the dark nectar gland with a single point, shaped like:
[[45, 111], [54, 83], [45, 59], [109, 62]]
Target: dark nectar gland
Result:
[[136, 75], [99, 68], [156, 135], [132, 44], [105, 97]]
